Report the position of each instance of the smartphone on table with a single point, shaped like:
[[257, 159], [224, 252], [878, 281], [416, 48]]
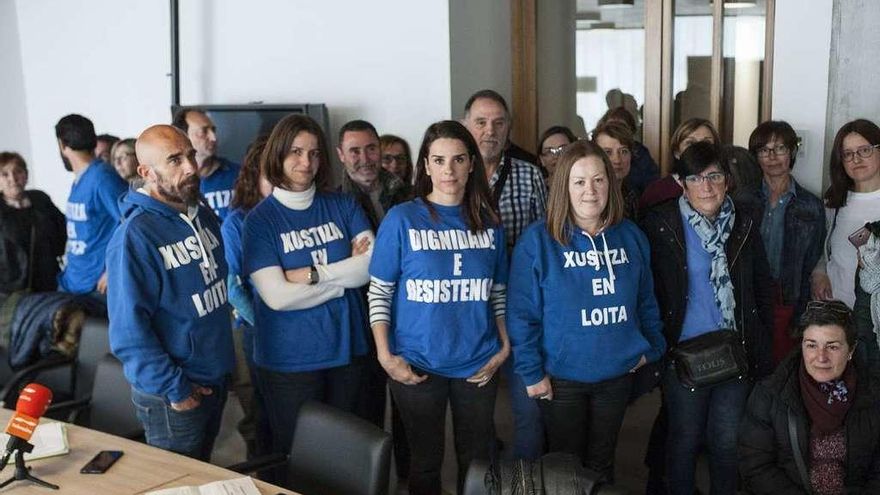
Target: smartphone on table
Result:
[[101, 462]]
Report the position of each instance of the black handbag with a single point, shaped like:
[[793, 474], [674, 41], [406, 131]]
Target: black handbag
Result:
[[710, 359]]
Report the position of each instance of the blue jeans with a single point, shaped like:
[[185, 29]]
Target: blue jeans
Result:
[[528, 430], [190, 433], [709, 415]]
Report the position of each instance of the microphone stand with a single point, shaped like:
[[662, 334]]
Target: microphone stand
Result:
[[22, 472]]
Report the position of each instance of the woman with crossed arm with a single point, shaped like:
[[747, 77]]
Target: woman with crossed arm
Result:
[[306, 251]]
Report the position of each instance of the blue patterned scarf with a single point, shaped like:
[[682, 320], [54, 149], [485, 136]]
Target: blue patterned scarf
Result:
[[713, 236]]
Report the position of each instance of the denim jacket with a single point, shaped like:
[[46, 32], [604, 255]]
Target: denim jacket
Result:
[[802, 245]]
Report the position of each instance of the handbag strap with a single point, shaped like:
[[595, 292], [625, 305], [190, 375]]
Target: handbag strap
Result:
[[796, 452]]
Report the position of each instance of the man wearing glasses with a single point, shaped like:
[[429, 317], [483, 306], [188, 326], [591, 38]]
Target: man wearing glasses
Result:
[[792, 221]]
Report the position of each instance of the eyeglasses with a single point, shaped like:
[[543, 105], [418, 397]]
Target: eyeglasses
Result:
[[714, 178], [863, 152], [387, 159], [776, 151], [834, 306], [553, 151]]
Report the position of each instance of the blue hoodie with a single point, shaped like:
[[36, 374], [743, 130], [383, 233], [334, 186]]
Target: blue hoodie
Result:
[[92, 215], [571, 316], [169, 319], [217, 188]]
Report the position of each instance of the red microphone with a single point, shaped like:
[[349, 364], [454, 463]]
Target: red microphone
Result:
[[32, 403]]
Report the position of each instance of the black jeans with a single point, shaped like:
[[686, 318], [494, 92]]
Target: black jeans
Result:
[[423, 410], [585, 419], [285, 393]]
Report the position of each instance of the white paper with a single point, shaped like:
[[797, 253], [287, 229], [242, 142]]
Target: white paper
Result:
[[238, 486], [49, 439]]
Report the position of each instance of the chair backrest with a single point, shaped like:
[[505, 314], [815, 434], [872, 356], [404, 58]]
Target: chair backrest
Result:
[[111, 409], [336, 452], [94, 344]]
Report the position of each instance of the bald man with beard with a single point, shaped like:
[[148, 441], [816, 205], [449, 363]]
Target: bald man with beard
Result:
[[169, 316]]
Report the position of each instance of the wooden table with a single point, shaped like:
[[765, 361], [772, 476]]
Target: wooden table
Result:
[[141, 469]]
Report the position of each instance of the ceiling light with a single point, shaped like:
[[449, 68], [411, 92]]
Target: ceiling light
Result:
[[737, 4], [615, 4]]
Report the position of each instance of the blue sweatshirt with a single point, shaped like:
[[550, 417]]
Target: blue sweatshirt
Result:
[[324, 336], [217, 187], [569, 317], [702, 314], [166, 298], [240, 291], [92, 216], [441, 317]]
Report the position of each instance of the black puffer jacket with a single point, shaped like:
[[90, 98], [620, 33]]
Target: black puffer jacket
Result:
[[765, 456], [749, 272]]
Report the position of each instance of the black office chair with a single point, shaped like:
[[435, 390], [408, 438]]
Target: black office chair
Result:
[[333, 452], [109, 407]]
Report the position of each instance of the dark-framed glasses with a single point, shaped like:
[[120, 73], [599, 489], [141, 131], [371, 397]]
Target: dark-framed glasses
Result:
[[712, 178], [863, 152], [775, 150]]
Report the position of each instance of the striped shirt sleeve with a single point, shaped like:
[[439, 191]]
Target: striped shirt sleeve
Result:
[[379, 296]]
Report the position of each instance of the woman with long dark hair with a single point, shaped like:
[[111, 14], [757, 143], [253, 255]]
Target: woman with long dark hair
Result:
[[437, 298]]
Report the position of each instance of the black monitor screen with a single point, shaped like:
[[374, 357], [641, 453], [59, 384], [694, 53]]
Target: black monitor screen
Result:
[[238, 125]]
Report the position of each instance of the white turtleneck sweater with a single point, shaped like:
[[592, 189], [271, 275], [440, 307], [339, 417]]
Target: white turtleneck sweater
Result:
[[281, 295]]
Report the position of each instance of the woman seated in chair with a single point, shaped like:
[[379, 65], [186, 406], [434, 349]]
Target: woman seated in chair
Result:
[[825, 402]]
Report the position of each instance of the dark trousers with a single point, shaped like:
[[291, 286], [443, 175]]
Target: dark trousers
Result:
[[285, 393], [371, 407], [254, 426], [585, 419], [710, 415], [423, 410]]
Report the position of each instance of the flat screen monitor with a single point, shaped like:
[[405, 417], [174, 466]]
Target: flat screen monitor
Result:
[[238, 125]]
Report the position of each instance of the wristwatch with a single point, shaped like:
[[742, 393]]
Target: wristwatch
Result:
[[313, 275]]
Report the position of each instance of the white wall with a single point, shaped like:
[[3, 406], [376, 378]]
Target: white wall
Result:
[[479, 32], [557, 82], [853, 91], [384, 62], [13, 133], [96, 58], [800, 80], [388, 63]]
